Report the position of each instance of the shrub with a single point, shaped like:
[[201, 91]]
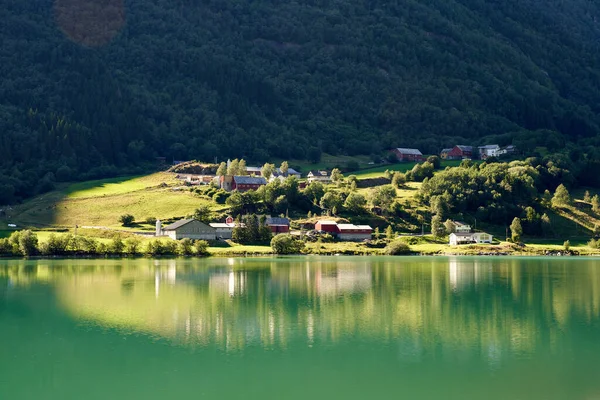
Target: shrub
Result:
[[201, 247], [161, 248], [397, 248], [220, 197], [117, 246], [6, 248], [132, 245], [24, 242], [185, 247], [567, 245], [286, 244], [55, 245], [126, 219]]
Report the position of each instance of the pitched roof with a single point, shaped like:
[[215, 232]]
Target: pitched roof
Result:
[[462, 234], [464, 148], [326, 222], [291, 171], [278, 221], [415, 152], [446, 150], [490, 146], [253, 169], [344, 227], [178, 224], [250, 180], [318, 172], [221, 225]]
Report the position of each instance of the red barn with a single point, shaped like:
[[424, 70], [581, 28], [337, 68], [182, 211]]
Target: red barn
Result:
[[403, 154], [245, 183], [459, 152], [327, 226]]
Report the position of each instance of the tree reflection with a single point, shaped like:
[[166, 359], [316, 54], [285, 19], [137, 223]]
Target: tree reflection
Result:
[[457, 307]]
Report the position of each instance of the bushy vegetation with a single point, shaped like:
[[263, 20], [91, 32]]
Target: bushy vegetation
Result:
[[286, 244], [83, 105], [25, 243], [397, 248], [496, 192]]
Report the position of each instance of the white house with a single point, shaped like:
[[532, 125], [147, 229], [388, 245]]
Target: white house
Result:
[[466, 238], [490, 150], [318, 176], [482, 237], [461, 227]]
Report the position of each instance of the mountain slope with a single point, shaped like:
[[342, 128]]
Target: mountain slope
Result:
[[91, 89]]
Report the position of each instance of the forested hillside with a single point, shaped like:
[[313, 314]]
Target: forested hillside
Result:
[[90, 88]]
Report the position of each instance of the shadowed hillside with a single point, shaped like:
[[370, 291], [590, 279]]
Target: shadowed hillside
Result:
[[89, 92]]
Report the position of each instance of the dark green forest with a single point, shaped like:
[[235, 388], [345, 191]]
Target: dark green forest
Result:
[[95, 88]]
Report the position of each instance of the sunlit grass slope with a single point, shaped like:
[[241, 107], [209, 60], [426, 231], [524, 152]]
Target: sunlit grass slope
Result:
[[100, 203], [378, 172]]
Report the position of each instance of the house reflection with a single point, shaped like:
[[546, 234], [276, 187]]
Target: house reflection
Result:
[[464, 307]]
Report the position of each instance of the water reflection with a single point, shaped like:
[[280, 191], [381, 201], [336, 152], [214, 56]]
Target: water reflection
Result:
[[454, 308]]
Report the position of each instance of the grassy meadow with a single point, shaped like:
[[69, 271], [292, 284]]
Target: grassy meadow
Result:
[[101, 202]]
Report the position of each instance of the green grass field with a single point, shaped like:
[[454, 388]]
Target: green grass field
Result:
[[378, 172], [114, 186], [100, 203]]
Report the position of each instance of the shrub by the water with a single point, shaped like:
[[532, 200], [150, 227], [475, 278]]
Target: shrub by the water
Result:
[[397, 248], [286, 244], [201, 247]]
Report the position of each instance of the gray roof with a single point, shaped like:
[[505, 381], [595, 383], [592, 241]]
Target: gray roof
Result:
[[253, 169], [291, 171], [490, 146], [415, 152], [319, 173], [462, 234], [250, 180], [464, 148], [278, 221], [178, 224], [446, 150]]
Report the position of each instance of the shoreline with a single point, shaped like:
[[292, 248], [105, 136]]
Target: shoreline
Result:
[[549, 254]]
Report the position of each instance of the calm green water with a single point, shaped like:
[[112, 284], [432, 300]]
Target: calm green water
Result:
[[301, 328]]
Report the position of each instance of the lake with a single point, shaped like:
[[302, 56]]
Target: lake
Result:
[[301, 328]]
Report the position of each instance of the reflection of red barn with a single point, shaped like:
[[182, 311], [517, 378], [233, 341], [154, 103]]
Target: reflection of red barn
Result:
[[459, 152], [278, 225], [327, 226]]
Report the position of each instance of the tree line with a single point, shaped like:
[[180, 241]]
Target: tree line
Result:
[[266, 79]]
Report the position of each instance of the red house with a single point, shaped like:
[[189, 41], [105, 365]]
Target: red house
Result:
[[403, 154], [327, 226], [459, 152], [245, 183]]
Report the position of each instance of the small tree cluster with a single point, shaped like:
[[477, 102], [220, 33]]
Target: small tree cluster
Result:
[[126, 219], [286, 244], [251, 230]]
